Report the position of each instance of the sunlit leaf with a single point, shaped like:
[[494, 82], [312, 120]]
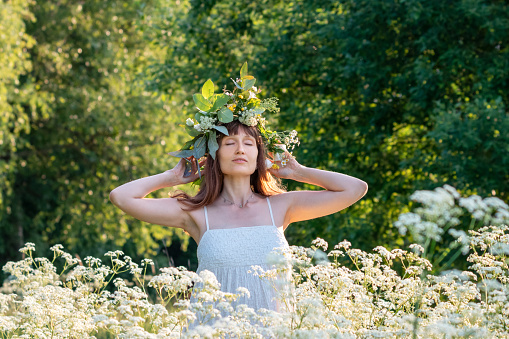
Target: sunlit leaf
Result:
[[208, 89], [201, 102], [221, 100], [243, 70]]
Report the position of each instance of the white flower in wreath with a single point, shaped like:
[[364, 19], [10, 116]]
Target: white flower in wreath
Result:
[[280, 156], [252, 95]]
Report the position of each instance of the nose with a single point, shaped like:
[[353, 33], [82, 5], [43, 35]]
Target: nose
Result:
[[240, 149]]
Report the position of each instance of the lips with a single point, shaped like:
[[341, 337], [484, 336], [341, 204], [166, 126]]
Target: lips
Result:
[[239, 160]]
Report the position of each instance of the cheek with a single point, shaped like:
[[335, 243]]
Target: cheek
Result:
[[255, 156], [220, 159]]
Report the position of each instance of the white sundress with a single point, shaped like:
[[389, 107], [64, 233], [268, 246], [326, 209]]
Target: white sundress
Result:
[[229, 253]]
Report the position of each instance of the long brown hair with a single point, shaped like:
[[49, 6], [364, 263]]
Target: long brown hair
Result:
[[262, 182]]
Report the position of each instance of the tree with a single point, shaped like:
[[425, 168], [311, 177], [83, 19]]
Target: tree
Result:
[[80, 122], [369, 86]]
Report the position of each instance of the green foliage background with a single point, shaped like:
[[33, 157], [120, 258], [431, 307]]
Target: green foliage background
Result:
[[405, 95]]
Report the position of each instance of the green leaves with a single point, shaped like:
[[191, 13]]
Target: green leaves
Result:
[[225, 115], [248, 83], [208, 89], [221, 129], [192, 131], [200, 147], [258, 110], [220, 100], [212, 143], [186, 153], [201, 102], [243, 70]]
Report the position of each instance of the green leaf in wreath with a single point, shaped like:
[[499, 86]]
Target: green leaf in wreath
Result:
[[221, 129], [248, 83], [208, 89], [201, 102], [200, 147], [221, 100], [183, 153], [198, 116], [212, 143], [225, 115], [189, 144], [192, 131], [243, 70], [257, 110]]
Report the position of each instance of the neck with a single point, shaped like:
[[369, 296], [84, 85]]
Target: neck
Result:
[[237, 189]]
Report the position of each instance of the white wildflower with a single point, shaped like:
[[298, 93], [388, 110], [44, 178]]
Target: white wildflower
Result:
[[319, 242], [462, 238], [116, 253], [243, 291], [416, 248], [147, 262], [473, 203], [495, 203], [57, 249], [29, 246], [344, 244]]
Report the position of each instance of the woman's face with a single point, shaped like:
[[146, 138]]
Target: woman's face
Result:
[[238, 154]]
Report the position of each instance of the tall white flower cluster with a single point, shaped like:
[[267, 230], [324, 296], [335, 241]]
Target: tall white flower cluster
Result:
[[441, 210]]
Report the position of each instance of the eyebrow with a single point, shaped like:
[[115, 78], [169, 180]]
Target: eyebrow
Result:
[[235, 137]]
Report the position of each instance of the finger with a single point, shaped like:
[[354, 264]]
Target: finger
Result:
[[181, 163], [195, 166]]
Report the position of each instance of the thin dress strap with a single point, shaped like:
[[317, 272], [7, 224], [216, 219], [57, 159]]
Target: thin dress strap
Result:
[[270, 209], [206, 217]]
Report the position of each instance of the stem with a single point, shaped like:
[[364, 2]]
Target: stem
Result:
[[454, 257], [472, 223], [445, 253], [426, 246], [432, 249]]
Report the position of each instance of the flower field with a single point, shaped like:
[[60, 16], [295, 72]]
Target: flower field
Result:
[[338, 293]]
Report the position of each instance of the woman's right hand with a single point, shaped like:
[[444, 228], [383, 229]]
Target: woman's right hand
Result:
[[178, 171]]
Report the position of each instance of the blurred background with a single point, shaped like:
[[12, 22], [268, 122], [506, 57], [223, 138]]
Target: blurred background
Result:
[[405, 95]]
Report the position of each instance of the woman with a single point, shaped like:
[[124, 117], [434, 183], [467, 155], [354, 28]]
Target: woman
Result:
[[240, 213]]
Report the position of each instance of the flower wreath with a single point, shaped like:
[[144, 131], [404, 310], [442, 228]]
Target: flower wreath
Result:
[[215, 110]]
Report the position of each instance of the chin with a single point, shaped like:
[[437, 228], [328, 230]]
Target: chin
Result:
[[239, 173]]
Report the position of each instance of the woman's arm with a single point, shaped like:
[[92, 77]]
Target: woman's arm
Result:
[[130, 197], [341, 191]]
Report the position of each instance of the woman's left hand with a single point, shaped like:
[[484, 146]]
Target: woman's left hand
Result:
[[287, 171]]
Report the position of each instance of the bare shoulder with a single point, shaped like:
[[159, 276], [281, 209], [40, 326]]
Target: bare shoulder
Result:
[[280, 204], [306, 205]]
